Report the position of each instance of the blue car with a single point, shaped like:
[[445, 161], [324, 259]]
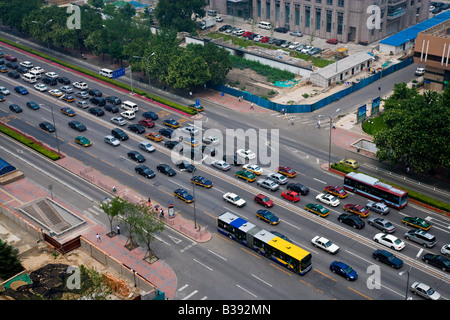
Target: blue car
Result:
[[150, 115], [183, 195], [343, 270], [21, 90], [267, 216], [171, 123], [166, 133]]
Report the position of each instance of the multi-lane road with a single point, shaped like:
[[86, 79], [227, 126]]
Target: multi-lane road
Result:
[[237, 272]]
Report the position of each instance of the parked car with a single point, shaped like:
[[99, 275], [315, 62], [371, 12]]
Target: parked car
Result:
[[332, 41], [296, 33], [281, 29]]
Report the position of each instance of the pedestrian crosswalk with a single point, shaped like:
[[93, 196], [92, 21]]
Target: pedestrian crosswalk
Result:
[[186, 293], [303, 120]]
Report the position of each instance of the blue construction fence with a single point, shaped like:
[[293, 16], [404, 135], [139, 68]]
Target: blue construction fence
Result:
[[302, 108]]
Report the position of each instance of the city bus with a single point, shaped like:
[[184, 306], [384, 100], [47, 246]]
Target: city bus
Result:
[[265, 243], [376, 190]]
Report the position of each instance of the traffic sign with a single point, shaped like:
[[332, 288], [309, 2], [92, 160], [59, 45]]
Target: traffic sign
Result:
[[118, 73]]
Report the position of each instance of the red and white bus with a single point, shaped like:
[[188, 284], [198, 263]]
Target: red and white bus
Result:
[[374, 189]]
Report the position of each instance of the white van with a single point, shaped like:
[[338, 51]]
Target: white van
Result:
[[265, 25], [212, 13], [128, 105], [106, 73], [130, 115], [28, 77], [35, 73]]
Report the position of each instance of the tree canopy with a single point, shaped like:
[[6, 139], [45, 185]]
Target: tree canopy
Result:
[[417, 129], [177, 14]]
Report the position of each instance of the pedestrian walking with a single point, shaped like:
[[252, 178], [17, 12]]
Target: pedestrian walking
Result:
[[98, 238], [190, 94], [251, 106], [161, 213], [318, 124], [292, 120], [149, 202], [118, 229], [239, 98], [334, 125]]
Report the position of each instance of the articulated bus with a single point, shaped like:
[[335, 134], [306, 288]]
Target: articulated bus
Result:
[[376, 190], [265, 243]]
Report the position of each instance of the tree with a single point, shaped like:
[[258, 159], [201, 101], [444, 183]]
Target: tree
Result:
[[417, 129], [113, 209], [9, 262], [148, 225], [177, 14], [187, 71], [14, 12]]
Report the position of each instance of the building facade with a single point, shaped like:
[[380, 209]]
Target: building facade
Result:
[[359, 21], [432, 51]]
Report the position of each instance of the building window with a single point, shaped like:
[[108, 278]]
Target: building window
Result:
[[340, 22], [307, 17], [329, 20], [318, 18], [341, 3]]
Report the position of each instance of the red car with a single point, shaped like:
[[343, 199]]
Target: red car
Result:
[[263, 200], [247, 34], [357, 209], [10, 58], [333, 41], [291, 195], [264, 40], [336, 190], [287, 171], [147, 123]]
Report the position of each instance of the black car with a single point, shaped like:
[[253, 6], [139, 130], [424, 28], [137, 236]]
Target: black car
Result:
[[136, 156], [144, 171], [209, 150], [150, 115], [281, 30], [166, 169], [137, 128], [166, 133], [113, 100], [299, 188], [95, 92], [111, 108], [13, 74], [172, 144], [351, 220], [32, 105], [12, 65], [63, 80], [47, 126], [388, 258], [22, 70], [437, 260], [50, 81], [77, 125], [96, 111], [98, 101], [184, 165], [15, 108], [119, 134], [225, 27]]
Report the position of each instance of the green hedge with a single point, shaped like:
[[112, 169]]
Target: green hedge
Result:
[[97, 76], [29, 142], [412, 194]]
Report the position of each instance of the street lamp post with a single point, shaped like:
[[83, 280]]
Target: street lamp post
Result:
[[329, 141], [46, 33], [409, 272]]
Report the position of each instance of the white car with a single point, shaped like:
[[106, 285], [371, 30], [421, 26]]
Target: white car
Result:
[[306, 49], [420, 71], [4, 91], [389, 241], [328, 199], [130, 115], [219, 19], [425, 291], [146, 146], [220, 164], [246, 154], [445, 250], [53, 75], [80, 85], [294, 45], [26, 64], [190, 130], [325, 244], [257, 38], [37, 69], [254, 168], [66, 89], [277, 178], [55, 92], [112, 141], [234, 199], [211, 140], [119, 121], [40, 87]]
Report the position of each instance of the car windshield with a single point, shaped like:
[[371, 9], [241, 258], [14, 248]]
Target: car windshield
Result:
[[348, 269], [265, 199], [397, 241], [236, 198], [328, 244]]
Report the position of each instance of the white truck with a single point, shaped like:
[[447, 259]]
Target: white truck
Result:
[[207, 23], [268, 184]]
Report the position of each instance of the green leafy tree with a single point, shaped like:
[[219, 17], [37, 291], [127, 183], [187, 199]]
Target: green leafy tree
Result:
[[177, 14], [14, 12], [9, 262], [113, 209], [148, 225], [417, 129], [187, 71]]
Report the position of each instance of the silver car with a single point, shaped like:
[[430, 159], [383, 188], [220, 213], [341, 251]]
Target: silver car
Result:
[[382, 224], [146, 146], [277, 178], [119, 121], [112, 141], [66, 89], [425, 291], [220, 164], [421, 237]]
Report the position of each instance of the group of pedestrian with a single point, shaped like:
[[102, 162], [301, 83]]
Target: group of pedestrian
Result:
[[291, 121]]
